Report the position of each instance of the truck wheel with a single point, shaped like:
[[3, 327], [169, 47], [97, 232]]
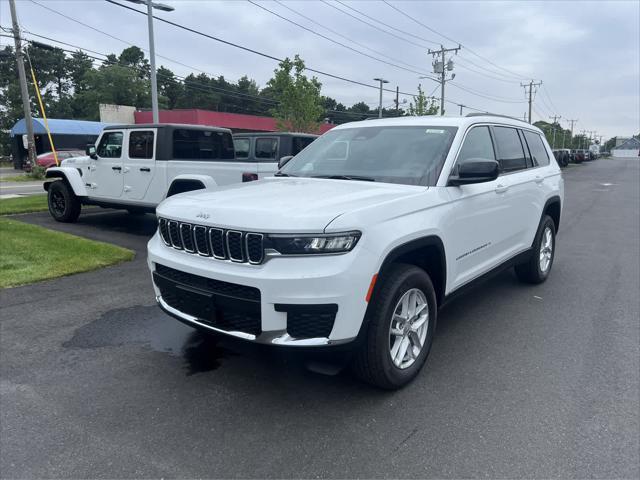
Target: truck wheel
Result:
[[538, 267], [64, 205], [401, 324]]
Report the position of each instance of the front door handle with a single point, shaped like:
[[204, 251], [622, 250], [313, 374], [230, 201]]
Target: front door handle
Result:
[[502, 188], [119, 169], [145, 169]]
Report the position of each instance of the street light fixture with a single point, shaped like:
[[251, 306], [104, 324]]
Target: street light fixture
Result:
[[152, 51], [382, 81]]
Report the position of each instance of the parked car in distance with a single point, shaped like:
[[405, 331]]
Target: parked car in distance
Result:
[[578, 156], [562, 156], [267, 148], [361, 237], [135, 167], [47, 160]]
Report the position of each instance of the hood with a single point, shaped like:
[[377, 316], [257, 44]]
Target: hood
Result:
[[75, 161], [281, 204]]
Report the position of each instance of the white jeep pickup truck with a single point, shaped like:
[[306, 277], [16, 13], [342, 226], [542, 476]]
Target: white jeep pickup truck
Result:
[[135, 167], [362, 236]]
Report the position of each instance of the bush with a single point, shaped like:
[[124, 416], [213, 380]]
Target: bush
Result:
[[37, 172]]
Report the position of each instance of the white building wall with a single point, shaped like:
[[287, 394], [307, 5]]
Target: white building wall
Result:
[[116, 113], [625, 153]]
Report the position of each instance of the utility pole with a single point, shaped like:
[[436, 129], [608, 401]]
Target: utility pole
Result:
[[152, 51], [572, 122], [461, 105], [26, 104], [564, 135], [584, 137], [530, 92], [441, 67], [553, 126], [382, 81], [397, 101]]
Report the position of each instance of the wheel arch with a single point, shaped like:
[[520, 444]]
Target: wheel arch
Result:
[[72, 176], [553, 208], [188, 183], [427, 253]]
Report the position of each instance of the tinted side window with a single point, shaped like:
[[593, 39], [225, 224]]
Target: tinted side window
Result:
[[266, 148], [141, 144], [202, 145], [110, 145], [299, 143], [510, 153], [536, 147], [477, 144], [242, 146]]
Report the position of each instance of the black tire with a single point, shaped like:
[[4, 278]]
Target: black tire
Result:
[[372, 360], [531, 270], [64, 205]]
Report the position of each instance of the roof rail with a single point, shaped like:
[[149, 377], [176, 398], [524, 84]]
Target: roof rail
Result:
[[475, 114]]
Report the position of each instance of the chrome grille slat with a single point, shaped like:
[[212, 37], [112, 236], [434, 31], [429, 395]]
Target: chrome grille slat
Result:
[[216, 238], [219, 243], [235, 246], [186, 235], [174, 234], [201, 240]]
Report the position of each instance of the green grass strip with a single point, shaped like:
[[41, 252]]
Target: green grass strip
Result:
[[26, 204], [30, 253]]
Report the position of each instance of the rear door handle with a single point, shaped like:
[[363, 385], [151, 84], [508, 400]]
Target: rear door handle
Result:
[[145, 169], [502, 188], [539, 179], [119, 169]]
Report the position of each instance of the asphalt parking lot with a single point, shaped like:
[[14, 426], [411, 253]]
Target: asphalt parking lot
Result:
[[96, 382]]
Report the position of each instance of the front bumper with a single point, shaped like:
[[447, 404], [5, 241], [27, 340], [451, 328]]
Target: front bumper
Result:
[[286, 285]]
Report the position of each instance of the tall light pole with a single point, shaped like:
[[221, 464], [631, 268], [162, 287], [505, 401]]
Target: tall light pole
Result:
[[382, 81], [26, 104], [152, 51]]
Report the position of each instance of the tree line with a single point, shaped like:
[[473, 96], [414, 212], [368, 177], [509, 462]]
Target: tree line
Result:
[[73, 85]]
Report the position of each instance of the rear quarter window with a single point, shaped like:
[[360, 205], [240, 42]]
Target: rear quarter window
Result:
[[510, 152], [202, 145], [537, 148]]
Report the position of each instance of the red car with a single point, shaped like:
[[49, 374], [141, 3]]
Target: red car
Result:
[[47, 159]]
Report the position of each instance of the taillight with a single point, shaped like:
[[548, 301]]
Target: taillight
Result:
[[249, 177]]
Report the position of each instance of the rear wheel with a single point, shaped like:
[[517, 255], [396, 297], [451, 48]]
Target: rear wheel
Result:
[[400, 328], [538, 267], [64, 205]]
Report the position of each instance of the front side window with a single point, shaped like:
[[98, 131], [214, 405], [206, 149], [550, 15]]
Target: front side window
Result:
[[478, 144], [110, 145], [266, 148], [141, 144], [510, 153], [242, 146], [537, 149], [299, 143], [410, 155], [202, 145]]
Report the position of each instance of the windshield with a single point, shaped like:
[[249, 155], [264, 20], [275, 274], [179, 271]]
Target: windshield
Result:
[[411, 155]]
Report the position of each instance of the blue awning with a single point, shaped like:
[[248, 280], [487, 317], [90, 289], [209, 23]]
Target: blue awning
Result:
[[59, 127]]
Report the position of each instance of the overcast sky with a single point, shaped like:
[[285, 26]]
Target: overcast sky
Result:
[[587, 54]]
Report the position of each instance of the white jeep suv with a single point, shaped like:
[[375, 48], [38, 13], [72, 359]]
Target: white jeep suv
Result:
[[135, 167], [362, 236]]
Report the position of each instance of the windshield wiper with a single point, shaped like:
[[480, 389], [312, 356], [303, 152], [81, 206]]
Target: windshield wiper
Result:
[[346, 177], [280, 174]]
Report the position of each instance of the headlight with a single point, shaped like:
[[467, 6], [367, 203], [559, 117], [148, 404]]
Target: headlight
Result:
[[314, 244]]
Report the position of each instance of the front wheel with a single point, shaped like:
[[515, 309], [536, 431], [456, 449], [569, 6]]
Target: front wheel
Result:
[[538, 267], [400, 329], [64, 205]]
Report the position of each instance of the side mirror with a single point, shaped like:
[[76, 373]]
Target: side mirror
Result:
[[475, 170], [283, 161], [91, 151]]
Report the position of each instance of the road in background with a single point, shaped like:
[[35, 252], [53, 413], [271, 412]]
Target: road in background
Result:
[[17, 189], [522, 381]]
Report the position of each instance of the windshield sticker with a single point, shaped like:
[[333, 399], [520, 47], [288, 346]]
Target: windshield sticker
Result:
[[433, 130]]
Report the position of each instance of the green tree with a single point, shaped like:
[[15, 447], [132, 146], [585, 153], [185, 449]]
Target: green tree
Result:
[[423, 105], [299, 107]]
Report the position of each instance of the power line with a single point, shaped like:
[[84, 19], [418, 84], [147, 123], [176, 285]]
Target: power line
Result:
[[341, 35], [487, 96], [282, 17], [516, 75]]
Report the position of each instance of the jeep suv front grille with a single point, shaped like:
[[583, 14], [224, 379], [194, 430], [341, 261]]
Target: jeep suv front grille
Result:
[[221, 244]]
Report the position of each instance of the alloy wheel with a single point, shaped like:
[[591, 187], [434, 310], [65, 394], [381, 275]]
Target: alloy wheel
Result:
[[409, 327]]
